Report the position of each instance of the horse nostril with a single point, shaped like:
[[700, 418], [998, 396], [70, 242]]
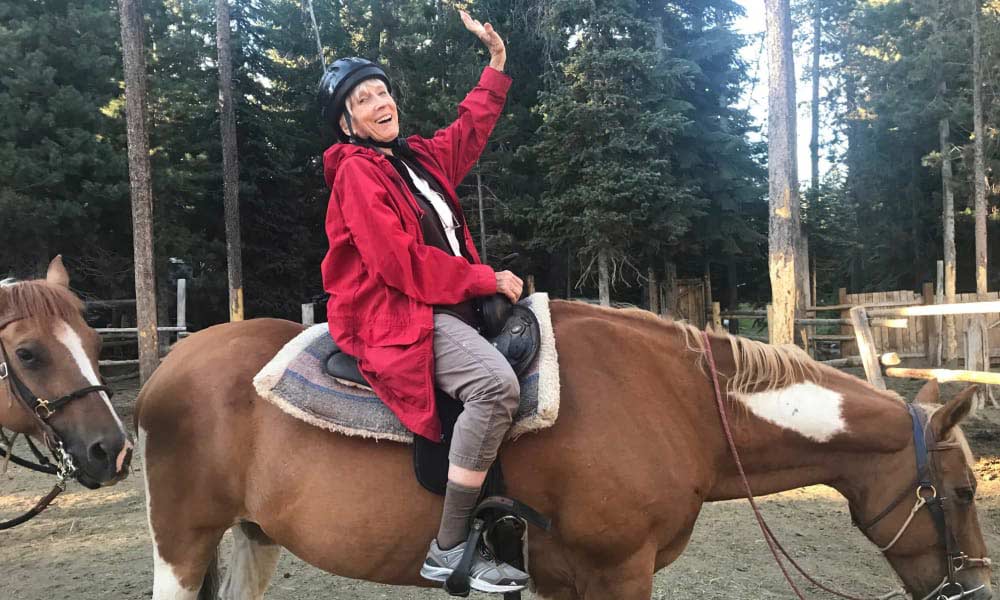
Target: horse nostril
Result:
[[98, 454]]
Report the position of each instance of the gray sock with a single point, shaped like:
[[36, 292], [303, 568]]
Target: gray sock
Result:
[[459, 502]]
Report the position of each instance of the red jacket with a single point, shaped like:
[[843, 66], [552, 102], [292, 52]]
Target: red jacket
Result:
[[382, 280]]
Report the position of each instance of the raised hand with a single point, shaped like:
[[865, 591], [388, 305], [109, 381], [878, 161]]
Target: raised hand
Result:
[[489, 37]]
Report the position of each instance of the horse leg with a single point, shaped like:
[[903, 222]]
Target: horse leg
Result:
[[631, 579], [185, 543], [184, 564], [251, 564]]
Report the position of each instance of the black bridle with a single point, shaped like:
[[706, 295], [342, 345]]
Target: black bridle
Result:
[[927, 484], [41, 411]]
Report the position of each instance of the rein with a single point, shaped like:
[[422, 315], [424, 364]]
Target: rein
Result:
[[40, 410], [948, 589]]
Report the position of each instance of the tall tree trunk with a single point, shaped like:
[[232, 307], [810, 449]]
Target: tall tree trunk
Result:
[[319, 43], [948, 196], [854, 161], [604, 276], [134, 58], [230, 163], [814, 138], [937, 22], [783, 224], [482, 218], [982, 282], [913, 193], [803, 287]]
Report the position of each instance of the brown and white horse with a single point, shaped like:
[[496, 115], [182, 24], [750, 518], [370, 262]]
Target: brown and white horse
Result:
[[49, 383], [623, 473]]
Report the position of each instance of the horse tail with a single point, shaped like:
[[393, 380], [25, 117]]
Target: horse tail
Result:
[[210, 584]]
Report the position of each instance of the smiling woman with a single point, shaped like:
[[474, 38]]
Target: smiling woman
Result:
[[371, 112]]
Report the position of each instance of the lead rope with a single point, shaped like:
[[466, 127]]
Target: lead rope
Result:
[[772, 542]]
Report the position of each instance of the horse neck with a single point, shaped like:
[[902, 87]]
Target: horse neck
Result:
[[834, 429]]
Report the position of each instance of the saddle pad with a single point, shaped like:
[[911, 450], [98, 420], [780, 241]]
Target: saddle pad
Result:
[[295, 380]]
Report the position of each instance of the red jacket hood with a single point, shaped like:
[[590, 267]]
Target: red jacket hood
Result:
[[335, 154]]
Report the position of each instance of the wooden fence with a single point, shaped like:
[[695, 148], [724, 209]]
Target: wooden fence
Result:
[[690, 303], [118, 336], [909, 340]]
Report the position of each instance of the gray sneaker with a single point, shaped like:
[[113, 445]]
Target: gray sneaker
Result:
[[486, 575]]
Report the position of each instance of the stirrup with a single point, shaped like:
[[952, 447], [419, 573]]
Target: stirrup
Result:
[[457, 583]]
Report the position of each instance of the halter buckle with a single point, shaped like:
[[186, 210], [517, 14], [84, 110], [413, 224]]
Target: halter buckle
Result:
[[43, 405]]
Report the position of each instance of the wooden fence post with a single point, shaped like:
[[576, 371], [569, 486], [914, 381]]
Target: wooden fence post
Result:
[[866, 346], [845, 347], [716, 316], [938, 320], [182, 303], [930, 339], [770, 319]]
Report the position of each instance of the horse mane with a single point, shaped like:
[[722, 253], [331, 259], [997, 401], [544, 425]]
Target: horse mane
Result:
[[758, 367], [37, 298]]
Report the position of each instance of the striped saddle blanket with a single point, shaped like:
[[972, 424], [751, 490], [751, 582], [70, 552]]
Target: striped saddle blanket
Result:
[[296, 381]]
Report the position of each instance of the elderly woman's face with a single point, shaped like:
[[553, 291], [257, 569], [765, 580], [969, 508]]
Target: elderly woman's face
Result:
[[373, 112]]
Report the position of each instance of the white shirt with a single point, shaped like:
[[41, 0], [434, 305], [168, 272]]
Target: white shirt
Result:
[[441, 207]]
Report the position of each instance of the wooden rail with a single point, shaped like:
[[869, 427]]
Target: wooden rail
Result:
[[958, 308], [133, 332], [944, 375]]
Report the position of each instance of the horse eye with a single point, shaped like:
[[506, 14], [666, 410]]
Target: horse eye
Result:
[[27, 357], [966, 495]]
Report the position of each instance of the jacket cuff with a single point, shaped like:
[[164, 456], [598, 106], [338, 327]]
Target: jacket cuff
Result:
[[495, 81], [485, 283]]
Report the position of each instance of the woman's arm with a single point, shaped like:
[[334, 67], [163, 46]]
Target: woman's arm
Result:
[[457, 147]]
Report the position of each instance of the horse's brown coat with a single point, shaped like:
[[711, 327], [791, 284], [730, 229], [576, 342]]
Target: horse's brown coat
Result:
[[636, 451]]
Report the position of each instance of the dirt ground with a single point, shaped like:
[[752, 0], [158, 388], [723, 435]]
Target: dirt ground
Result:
[[95, 545]]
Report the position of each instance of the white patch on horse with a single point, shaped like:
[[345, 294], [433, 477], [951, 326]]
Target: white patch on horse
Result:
[[9, 282], [166, 584], [811, 410], [251, 566], [71, 339]]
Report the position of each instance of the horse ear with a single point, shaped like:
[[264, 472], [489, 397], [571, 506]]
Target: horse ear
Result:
[[57, 274], [929, 394], [954, 411]]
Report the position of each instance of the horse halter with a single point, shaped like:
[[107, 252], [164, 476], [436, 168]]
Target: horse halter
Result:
[[927, 496], [42, 410]]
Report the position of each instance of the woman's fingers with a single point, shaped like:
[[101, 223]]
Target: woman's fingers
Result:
[[485, 32], [509, 285]]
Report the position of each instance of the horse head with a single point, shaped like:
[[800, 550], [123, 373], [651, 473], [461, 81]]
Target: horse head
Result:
[[921, 511], [49, 383]]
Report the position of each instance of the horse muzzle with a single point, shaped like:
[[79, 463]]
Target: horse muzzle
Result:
[[105, 462]]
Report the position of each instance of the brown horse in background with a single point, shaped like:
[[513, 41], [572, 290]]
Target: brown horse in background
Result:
[[48, 347], [636, 451]]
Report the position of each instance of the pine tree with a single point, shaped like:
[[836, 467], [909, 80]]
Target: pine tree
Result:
[[609, 122]]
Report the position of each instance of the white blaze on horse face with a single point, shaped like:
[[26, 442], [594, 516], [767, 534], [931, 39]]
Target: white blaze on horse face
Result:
[[68, 337], [811, 410]]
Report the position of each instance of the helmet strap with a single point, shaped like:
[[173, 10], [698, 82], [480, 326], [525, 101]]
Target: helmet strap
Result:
[[350, 126]]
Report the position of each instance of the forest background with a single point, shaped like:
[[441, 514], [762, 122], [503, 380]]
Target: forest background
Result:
[[623, 138]]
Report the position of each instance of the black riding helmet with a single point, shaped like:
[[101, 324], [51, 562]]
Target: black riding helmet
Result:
[[336, 85]]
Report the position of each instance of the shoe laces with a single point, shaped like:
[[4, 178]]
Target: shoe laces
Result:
[[486, 554]]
